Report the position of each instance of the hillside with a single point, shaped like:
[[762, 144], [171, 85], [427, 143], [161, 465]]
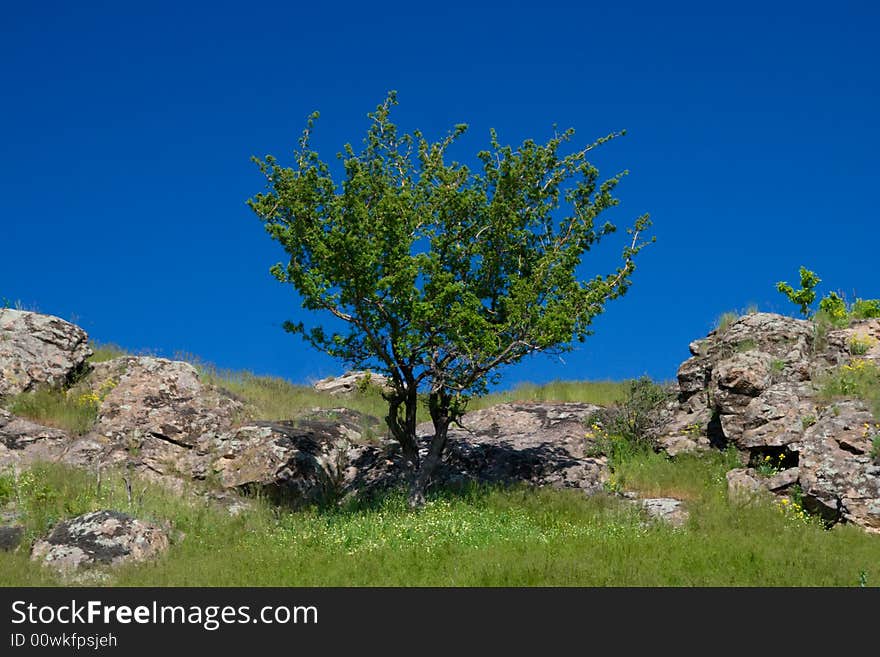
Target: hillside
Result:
[[767, 444]]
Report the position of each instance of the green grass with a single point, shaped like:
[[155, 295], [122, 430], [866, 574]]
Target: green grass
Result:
[[272, 398], [106, 351], [486, 537], [602, 393], [56, 408], [860, 378]]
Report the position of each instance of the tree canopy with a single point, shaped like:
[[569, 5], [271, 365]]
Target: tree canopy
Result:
[[438, 274]]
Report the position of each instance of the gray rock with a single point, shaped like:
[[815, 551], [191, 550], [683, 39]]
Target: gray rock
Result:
[[10, 537], [666, 509], [23, 441], [837, 474], [538, 443], [38, 350], [100, 538], [350, 382]]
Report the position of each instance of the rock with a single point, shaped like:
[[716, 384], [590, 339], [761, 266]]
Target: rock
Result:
[[23, 441], [328, 457], [313, 460], [838, 476], [10, 537], [744, 483], [38, 350], [666, 509], [351, 382], [100, 538], [158, 415], [539, 443], [755, 386]]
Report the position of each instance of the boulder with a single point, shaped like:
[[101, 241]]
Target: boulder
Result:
[[839, 477], [744, 483], [23, 441], [665, 509], [38, 350], [302, 462], [157, 415], [100, 538], [10, 537], [539, 443], [351, 382]]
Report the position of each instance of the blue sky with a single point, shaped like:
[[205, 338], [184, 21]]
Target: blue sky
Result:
[[127, 131]]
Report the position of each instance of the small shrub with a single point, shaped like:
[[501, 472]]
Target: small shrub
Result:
[[808, 421], [725, 321], [859, 346], [833, 307], [769, 466], [777, 365], [629, 426], [746, 345], [865, 309], [806, 295]]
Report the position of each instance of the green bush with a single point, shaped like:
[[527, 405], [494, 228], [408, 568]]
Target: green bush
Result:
[[865, 309], [806, 295], [629, 426], [834, 308]]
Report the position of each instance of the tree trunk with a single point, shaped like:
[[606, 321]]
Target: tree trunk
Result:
[[439, 407]]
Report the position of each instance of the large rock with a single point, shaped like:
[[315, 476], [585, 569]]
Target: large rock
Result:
[[100, 538], [839, 477], [337, 454], [38, 350], [351, 382], [313, 460], [157, 415], [756, 386], [539, 443], [23, 441]]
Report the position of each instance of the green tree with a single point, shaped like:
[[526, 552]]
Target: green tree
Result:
[[806, 295], [437, 275]]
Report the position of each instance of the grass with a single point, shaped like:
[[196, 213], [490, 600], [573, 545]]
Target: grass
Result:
[[51, 407], [860, 378], [106, 351], [485, 537], [602, 393], [272, 398]]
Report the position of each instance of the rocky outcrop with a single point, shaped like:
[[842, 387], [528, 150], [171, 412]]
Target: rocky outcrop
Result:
[[756, 386], [332, 455], [840, 478], [157, 415], [100, 538], [539, 443], [37, 350], [351, 382]]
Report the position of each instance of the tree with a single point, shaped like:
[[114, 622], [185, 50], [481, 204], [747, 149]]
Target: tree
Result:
[[806, 295], [438, 275]]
